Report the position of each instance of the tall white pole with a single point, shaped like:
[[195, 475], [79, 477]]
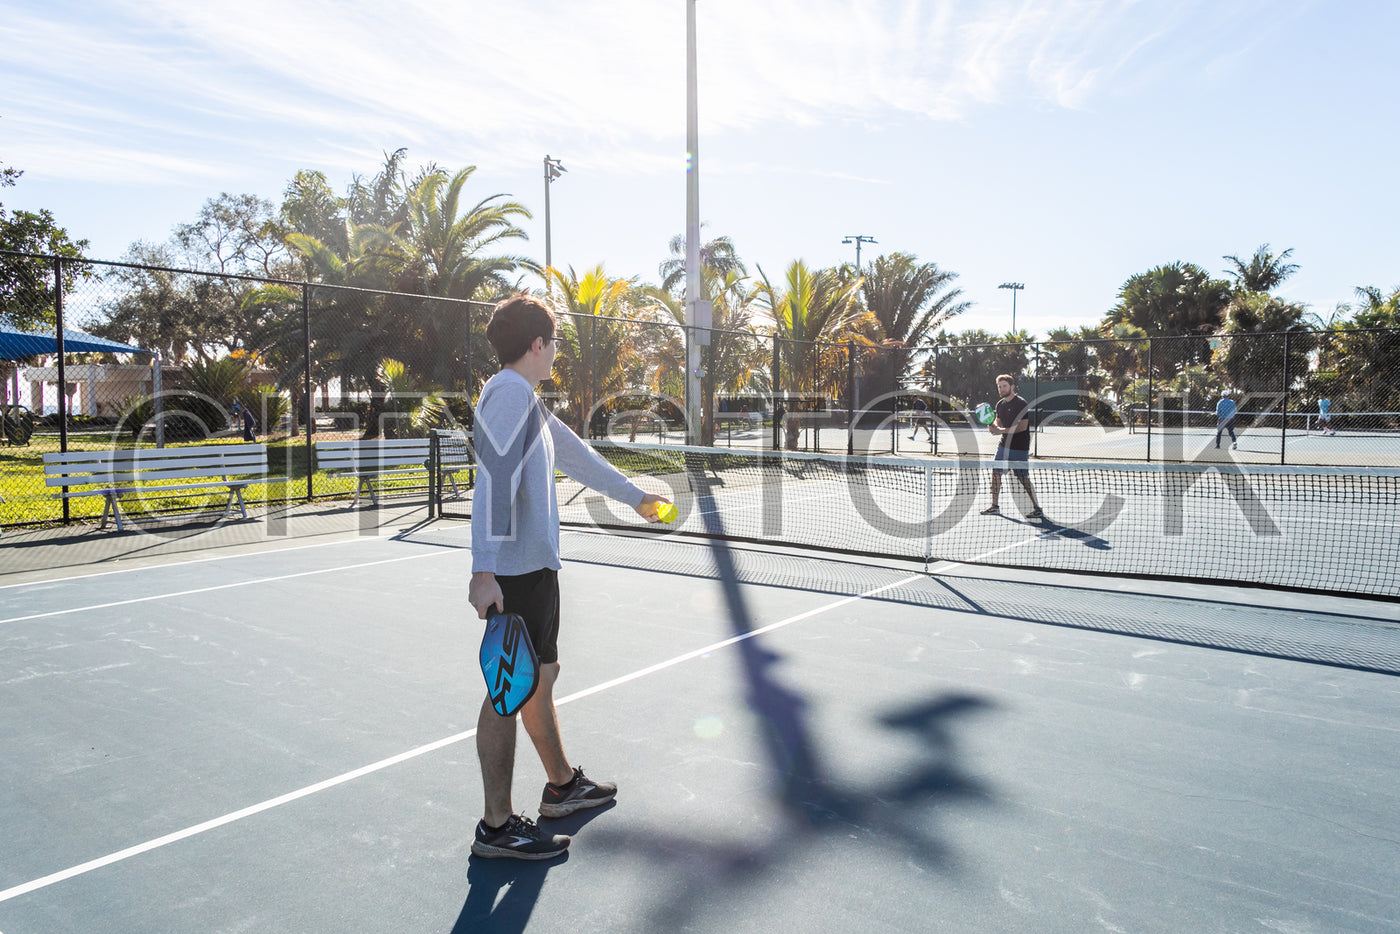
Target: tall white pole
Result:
[[692, 235]]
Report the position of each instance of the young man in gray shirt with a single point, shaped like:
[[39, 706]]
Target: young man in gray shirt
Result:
[[515, 567]]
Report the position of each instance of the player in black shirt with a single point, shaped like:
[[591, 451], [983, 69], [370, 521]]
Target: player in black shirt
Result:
[[1013, 423]]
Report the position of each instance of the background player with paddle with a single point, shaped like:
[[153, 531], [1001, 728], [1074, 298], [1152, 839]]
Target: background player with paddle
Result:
[[1013, 423], [515, 565]]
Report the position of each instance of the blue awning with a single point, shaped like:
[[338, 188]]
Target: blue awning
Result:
[[15, 344]]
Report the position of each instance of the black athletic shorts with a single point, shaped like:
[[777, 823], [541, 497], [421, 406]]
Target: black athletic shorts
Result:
[[535, 598]]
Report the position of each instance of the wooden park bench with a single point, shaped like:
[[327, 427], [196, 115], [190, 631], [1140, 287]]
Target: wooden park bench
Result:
[[379, 461], [156, 473]]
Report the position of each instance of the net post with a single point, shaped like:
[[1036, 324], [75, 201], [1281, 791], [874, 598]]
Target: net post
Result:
[[1283, 436], [928, 516], [434, 464]]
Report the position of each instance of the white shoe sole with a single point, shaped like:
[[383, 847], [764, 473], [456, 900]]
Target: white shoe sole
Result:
[[577, 804], [486, 851]]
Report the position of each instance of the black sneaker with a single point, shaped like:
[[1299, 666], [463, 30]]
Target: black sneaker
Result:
[[582, 792], [520, 838]]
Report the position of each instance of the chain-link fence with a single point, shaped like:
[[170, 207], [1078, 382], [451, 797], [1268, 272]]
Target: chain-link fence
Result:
[[148, 358]]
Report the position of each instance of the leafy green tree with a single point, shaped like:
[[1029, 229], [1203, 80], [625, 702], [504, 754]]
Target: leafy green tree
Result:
[[966, 365], [311, 208], [234, 234], [379, 200], [1358, 361], [1262, 272]]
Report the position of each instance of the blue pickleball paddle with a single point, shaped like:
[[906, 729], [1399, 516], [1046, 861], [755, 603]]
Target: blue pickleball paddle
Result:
[[508, 663]]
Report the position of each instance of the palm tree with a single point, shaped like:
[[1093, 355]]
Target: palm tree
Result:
[[1251, 345], [735, 352], [446, 245], [903, 295], [717, 254], [1264, 271], [1178, 298], [812, 312], [597, 344]]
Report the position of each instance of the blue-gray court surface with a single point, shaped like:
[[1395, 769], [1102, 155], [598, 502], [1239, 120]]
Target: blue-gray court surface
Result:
[[277, 735]]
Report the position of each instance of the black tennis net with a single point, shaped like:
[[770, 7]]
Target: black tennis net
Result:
[[1305, 528]]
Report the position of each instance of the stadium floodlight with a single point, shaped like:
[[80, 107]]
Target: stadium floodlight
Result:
[[858, 239], [1014, 287]]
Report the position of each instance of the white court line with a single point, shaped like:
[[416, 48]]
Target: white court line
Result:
[[82, 868], [186, 593], [180, 564]]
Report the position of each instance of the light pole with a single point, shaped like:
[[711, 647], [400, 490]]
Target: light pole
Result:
[[553, 168], [858, 239], [1014, 287], [696, 316]]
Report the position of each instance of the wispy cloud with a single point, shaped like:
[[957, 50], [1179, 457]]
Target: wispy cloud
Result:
[[312, 79]]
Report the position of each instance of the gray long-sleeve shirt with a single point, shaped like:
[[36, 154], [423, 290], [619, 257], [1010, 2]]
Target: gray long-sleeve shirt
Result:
[[515, 509]]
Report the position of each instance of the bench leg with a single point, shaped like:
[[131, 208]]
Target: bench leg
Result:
[[369, 485], [116, 514], [241, 508]]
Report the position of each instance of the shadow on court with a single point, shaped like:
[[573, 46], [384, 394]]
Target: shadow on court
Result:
[[812, 803], [486, 909]]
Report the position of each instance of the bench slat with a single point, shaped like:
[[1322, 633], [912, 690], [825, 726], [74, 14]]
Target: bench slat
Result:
[[114, 479], [221, 450], [149, 490]]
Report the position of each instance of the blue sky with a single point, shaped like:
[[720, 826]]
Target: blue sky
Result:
[[1066, 144]]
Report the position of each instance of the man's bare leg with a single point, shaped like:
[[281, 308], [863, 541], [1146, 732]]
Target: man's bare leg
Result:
[[542, 724], [996, 487], [1026, 482], [495, 746]]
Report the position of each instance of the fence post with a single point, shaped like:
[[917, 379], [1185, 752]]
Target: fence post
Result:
[[777, 396], [1283, 437], [850, 398], [62, 372], [307, 404], [1150, 342]]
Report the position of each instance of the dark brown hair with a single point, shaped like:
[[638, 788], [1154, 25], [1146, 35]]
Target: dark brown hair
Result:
[[514, 325], [1008, 377]]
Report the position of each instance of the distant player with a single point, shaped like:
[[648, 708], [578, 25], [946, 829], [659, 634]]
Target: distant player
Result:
[[1013, 423], [919, 417], [1225, 419], [1324, 416]]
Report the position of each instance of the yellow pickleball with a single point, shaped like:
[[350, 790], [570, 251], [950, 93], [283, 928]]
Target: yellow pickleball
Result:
[[667, 512]]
